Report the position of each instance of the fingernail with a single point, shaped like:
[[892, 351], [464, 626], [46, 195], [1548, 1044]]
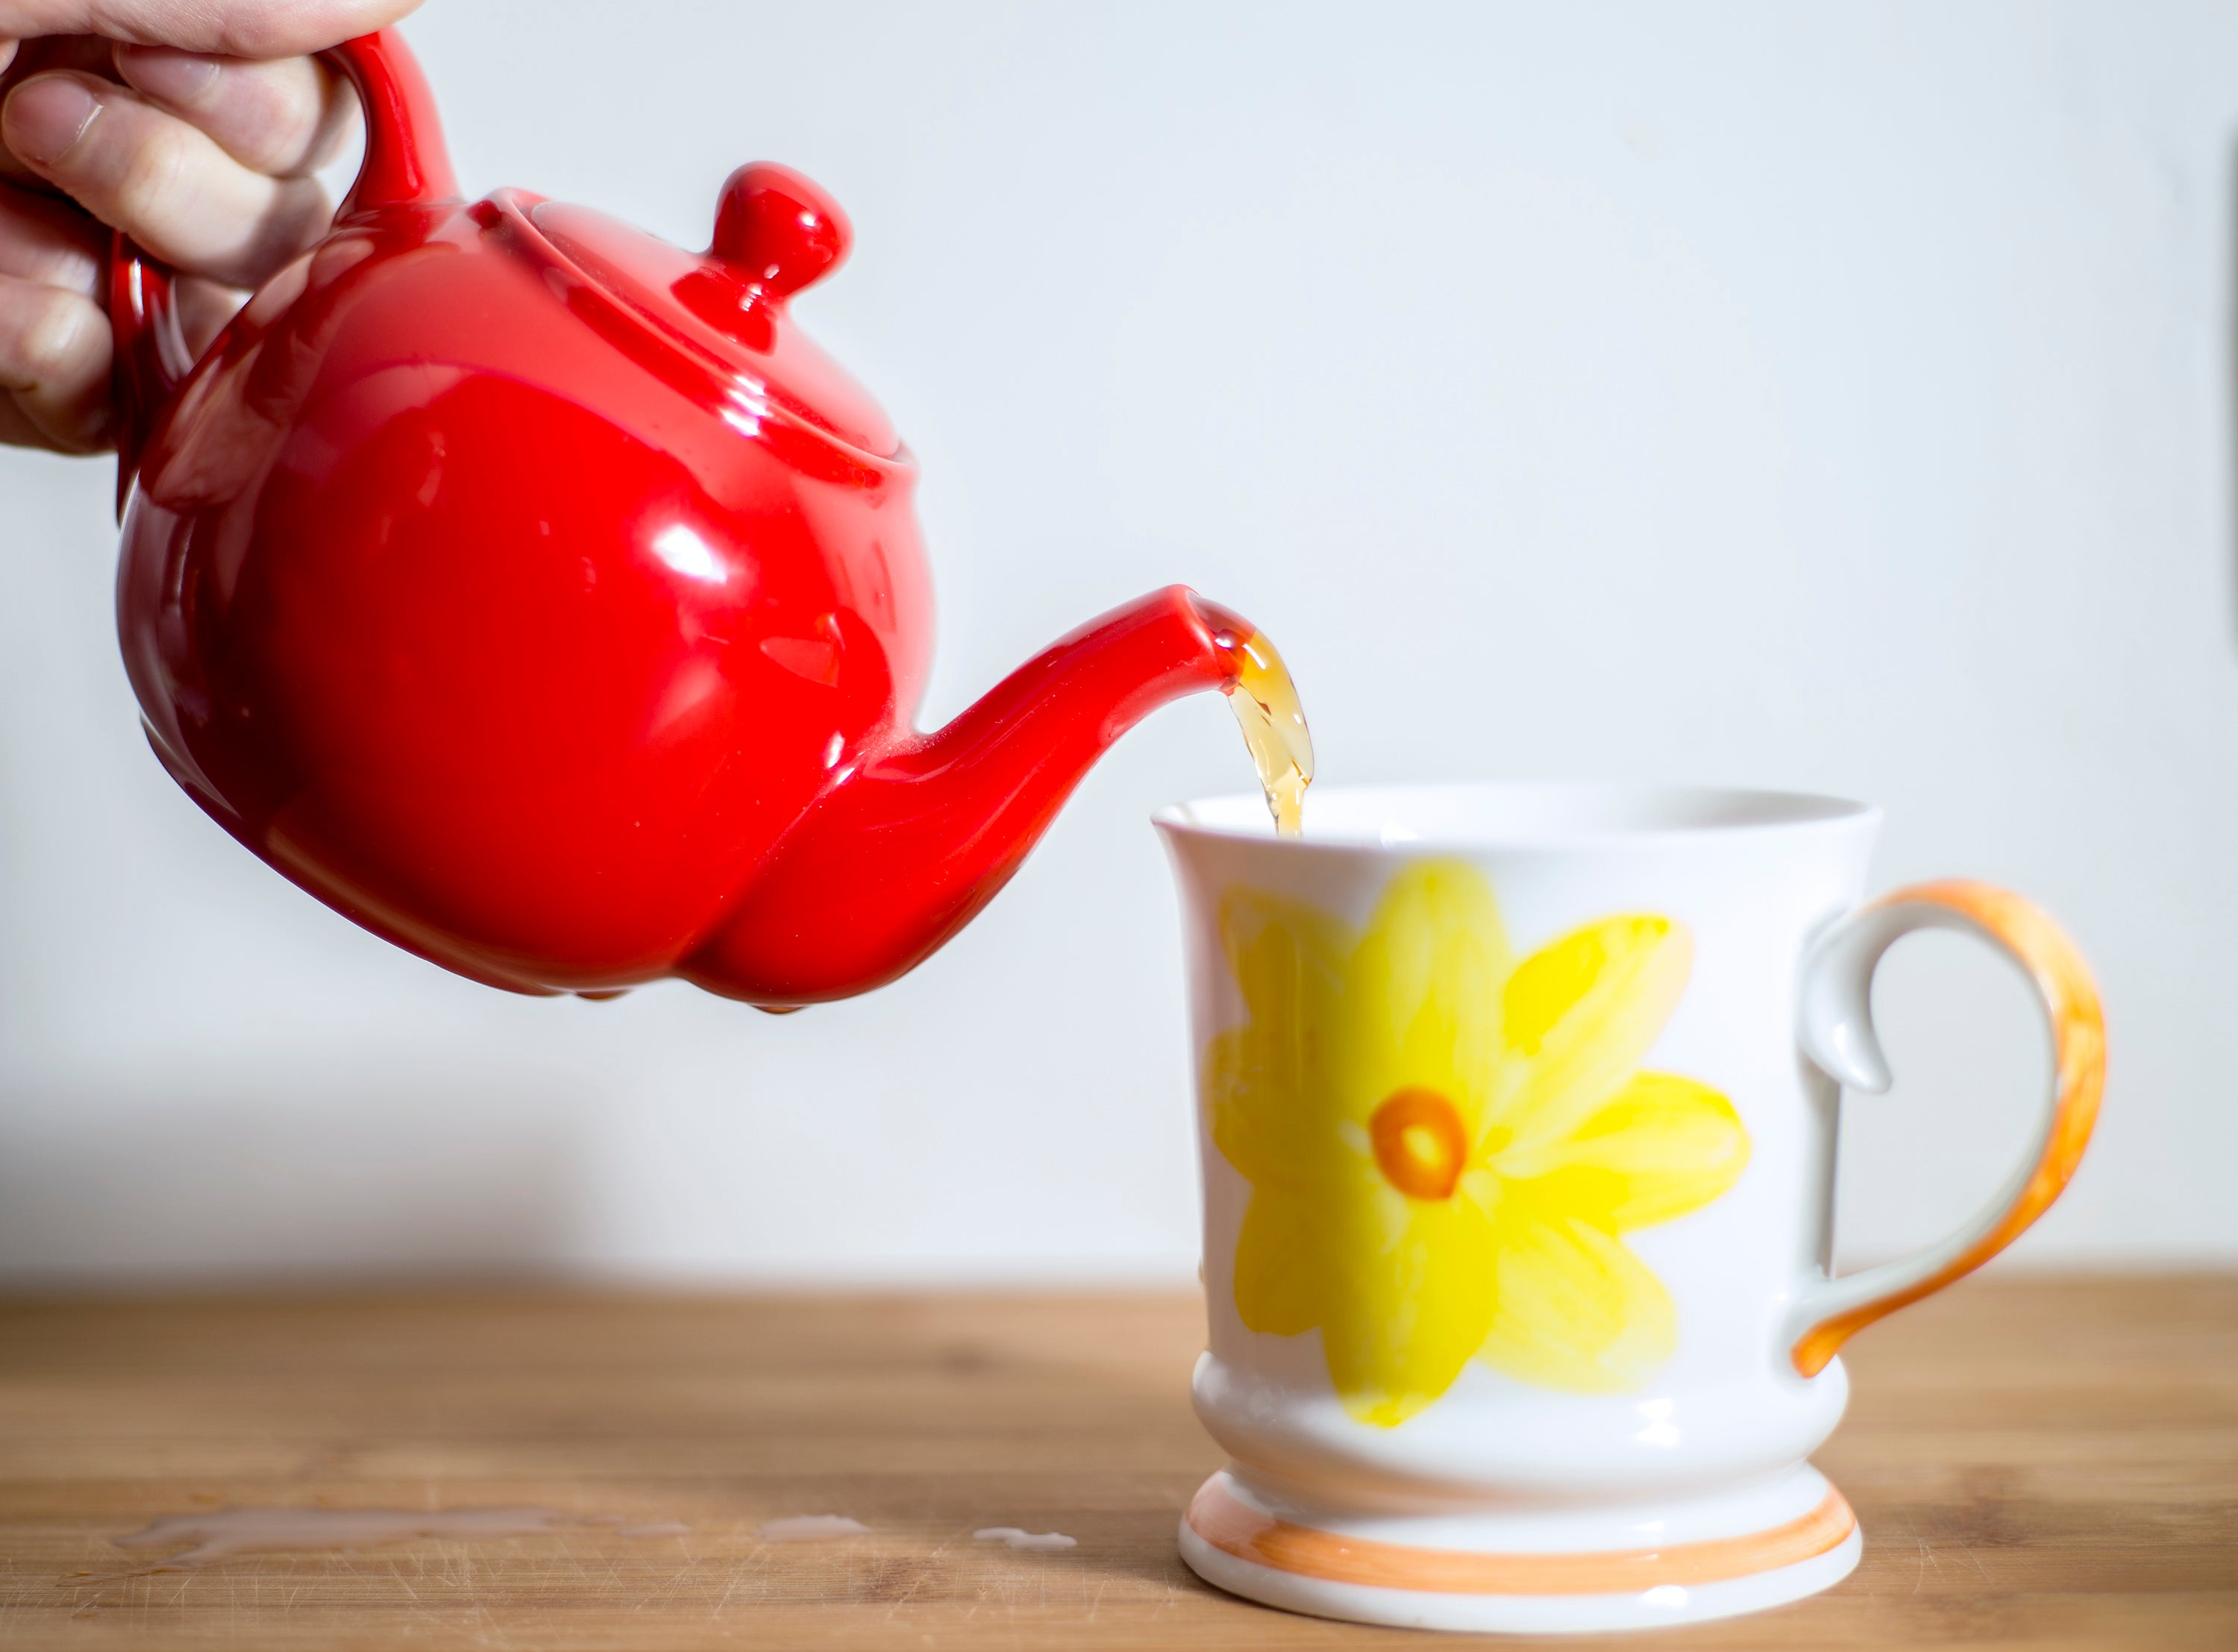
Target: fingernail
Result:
[[47, 115], [174, 76]]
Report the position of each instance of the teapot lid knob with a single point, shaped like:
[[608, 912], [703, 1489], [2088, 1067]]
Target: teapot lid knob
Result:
[[778, 231]]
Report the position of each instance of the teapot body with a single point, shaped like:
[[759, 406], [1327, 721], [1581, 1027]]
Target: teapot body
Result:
[[535, 594], [509, 634]]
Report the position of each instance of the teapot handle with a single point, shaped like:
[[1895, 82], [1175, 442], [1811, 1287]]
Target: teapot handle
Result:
[[405, 165]]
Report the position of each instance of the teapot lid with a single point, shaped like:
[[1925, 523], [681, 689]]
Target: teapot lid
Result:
[[775, 232]]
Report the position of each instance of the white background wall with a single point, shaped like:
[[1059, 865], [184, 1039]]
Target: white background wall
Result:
[[1834, 397]]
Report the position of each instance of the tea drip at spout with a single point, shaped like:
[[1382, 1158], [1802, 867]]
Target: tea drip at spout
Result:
[[1265, 702]]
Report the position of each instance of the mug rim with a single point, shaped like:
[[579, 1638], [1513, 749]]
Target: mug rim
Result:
[[1698, 813]]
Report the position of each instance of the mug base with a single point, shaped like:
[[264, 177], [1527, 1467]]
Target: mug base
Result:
[[1231, 1538]]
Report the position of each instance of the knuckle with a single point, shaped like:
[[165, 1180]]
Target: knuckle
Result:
[[55, 345], [298, 119], [333, 120], [43, 241], [45, 334], [271, 117], [154, 181]]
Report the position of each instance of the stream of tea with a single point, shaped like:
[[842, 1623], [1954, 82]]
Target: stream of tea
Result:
[[1265, 702]]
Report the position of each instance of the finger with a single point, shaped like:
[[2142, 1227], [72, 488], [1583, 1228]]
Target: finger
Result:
[[287, 119], [48, 241], [54, 355], [16, 429], [164, 183], [205, 307], [63, 51], [237, 28], [37, 56]]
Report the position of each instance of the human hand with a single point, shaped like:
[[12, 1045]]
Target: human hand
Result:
[[192, 125]]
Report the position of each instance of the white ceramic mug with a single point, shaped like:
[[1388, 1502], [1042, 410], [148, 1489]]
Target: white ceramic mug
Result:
[[1518, 1109]]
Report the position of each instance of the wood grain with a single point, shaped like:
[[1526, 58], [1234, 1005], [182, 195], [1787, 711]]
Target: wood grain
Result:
[[2037, 1464]]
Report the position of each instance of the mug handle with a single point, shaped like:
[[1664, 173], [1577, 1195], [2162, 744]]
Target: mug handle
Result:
[[1836, 1027]]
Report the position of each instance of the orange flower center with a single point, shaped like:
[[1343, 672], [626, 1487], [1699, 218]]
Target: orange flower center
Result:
[[1421, 1146]]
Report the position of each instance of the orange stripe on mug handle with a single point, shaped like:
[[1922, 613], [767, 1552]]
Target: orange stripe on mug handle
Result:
[[1836, 1032]]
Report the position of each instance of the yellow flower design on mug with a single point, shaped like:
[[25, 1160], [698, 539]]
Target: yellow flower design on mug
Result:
[[1444, 1145]]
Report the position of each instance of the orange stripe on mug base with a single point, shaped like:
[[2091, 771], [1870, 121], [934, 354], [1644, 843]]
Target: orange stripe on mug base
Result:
[[1235, 1527]]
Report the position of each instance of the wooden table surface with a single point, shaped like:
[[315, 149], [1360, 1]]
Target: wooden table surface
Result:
[[2037, 1463]]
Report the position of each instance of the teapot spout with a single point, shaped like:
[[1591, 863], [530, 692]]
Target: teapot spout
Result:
[[900, 854]]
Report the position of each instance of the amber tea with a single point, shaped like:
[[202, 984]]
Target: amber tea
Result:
[[1265, 702]]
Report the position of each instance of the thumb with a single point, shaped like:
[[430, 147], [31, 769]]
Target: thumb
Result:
[[260, 29]]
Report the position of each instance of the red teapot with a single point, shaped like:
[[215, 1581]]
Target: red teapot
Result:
[[534, 594]]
